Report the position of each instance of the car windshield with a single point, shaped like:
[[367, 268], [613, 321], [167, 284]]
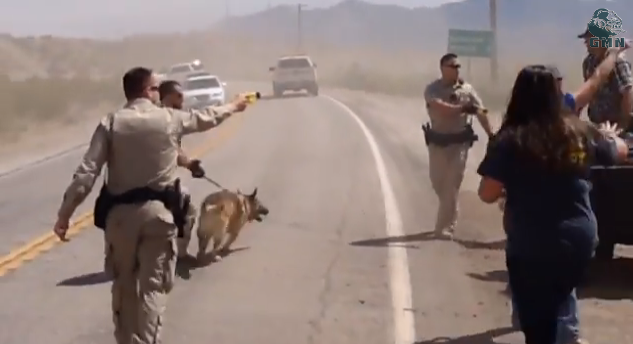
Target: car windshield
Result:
[[196, 74], [199, 66], [294, 63], [180, 69], [202, 83]]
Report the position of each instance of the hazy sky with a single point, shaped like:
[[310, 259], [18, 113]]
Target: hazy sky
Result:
[[116, 17]]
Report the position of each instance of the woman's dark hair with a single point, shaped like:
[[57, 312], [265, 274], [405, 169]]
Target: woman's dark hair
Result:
[[135, 81], [535, 121]]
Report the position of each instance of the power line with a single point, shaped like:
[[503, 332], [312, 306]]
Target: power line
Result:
[[494, 63], [300, 8]]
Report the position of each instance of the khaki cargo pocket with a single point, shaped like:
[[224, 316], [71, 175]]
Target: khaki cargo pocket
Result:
[[108, 261], [169, 266]]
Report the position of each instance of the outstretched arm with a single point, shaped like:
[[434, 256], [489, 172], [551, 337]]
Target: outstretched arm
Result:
[[195, 121], [624, 78], [593, 82], [435, 102]]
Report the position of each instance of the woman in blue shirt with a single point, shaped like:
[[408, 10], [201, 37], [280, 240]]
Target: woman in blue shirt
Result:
[[539, 160], [568, 323]]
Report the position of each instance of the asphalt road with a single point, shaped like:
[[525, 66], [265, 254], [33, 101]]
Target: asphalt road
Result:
[[329, 265]]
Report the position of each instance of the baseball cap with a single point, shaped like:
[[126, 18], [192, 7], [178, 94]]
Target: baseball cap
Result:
[[585, 34], [555, 71]]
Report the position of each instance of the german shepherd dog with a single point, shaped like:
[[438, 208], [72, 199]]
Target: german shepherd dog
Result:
[[223, 214]]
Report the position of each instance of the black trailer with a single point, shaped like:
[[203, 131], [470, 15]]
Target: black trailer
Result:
[[612, 202]]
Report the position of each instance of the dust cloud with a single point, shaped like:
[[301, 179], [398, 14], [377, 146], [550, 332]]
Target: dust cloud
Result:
[[52, 73]]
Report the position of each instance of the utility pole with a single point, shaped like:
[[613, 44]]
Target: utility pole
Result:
[[494, 62], [227, 9], [300, 27]]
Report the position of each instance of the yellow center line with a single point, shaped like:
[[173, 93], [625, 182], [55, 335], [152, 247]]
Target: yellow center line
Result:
[[45, 242]]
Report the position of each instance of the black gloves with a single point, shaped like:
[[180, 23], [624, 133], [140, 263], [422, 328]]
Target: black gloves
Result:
[[491, 141], [470, 109], [195, 166]]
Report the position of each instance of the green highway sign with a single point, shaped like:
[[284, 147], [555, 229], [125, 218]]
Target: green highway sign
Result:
[[470, 43]]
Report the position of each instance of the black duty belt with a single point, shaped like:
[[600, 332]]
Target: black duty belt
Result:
[[172, 197], [465, 136]]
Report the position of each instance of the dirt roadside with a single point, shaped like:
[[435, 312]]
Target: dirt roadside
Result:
[[459, 287], [46, 140], [606, 299]]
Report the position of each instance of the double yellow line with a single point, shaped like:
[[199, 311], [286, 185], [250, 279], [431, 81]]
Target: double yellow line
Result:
[[45, 242]]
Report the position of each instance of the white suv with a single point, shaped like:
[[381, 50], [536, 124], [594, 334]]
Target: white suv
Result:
[[203, 90], [294, 73]]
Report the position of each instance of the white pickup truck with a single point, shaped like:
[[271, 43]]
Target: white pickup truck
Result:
[[294, 73], [180, 71]]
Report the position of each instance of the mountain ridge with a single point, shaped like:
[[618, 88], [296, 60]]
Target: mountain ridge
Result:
[[358, 23]]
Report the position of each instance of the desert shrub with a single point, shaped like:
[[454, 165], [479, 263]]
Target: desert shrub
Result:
[[52, 99], [401, 72]]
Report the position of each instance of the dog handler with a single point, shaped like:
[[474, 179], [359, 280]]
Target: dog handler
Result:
[[171, 96], [450, 102], [140, 205]]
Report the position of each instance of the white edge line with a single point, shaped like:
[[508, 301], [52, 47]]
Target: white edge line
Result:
[[399, 275]]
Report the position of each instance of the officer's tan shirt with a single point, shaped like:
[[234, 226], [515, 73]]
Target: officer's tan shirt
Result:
[[464, 93], [140, 151]]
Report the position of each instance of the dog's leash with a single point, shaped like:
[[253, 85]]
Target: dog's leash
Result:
[[197, 172], [216, 184]]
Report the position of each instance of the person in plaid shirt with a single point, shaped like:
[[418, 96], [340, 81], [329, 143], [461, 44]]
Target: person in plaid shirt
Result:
[[614, 100]]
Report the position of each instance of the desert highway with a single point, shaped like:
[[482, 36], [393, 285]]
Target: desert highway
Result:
[[339, 260]]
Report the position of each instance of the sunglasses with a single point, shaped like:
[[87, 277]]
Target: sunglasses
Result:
[[453, 66]]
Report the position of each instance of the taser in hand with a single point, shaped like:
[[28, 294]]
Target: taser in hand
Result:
[[252, 97]]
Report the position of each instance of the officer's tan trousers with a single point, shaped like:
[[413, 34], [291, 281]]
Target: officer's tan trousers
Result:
[[141, 240], [446, 169], [183, 242]]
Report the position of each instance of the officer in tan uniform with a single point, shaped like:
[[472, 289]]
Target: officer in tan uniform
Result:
[[171, 96], [140, 145], [450, 104]]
